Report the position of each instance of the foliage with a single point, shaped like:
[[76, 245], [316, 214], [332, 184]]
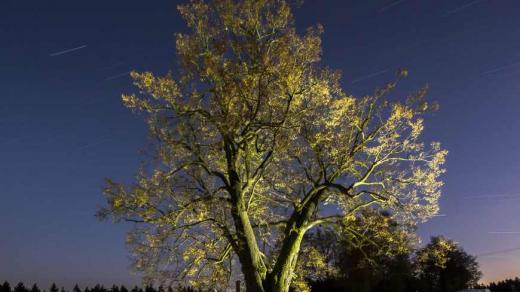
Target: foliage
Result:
[[507, 285], [370, 252], [5, 287], [439, 266], [443, 266], [20, 287], [254, 139]]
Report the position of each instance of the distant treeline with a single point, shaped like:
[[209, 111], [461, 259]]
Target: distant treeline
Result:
[[507, 285], [20, 287]]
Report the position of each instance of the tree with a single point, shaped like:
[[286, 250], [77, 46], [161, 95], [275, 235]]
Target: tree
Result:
[[253, 138], [20, 287], [443, 266], [5, 287], [35, 288], [98, 288], [504, 285], [370, 252], [77, 289], [53, 288]]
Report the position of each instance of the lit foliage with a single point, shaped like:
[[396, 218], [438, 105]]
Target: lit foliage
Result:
[[436, 253], [254, 139], [377, 236]]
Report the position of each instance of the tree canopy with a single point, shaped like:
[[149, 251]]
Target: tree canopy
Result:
[[444, 266], [387, 258], [256, 144], [370, 252]]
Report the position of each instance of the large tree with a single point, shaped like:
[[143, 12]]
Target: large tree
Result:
[[254, 139]]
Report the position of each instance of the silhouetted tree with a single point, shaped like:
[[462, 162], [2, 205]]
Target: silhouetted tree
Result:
[[507, 285], [123, 289], [53, 288], [443, 266], [35, 288], [98, 288], [377, 261], [20, 287], [76, 288], [5, 287]]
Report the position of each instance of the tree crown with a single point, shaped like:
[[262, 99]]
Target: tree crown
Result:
[[258, 143]]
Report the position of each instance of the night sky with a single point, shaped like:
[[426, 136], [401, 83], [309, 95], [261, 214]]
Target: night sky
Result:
[[63, 129]]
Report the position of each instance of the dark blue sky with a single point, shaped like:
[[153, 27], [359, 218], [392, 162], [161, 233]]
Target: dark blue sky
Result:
[[63, 128]]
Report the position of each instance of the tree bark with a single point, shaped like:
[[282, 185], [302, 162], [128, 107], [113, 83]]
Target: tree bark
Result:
[[279, 280], [251, 261], [253, 267]]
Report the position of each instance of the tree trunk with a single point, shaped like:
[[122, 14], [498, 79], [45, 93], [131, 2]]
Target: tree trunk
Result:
[[251, 261], [279, 280], [253, 267]]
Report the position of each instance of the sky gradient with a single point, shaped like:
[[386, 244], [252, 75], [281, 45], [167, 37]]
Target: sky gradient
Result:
[[64, 65]]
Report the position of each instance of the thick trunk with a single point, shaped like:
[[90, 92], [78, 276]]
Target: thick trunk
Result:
[[249, 255], [279, 280], [253, 267]]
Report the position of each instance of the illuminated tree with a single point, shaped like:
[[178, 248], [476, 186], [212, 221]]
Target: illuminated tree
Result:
[[254, 139]]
